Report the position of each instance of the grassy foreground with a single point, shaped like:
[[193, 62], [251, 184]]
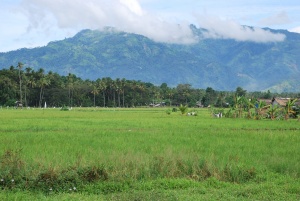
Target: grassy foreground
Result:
[[145, 154]]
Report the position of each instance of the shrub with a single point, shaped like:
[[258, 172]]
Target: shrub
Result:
[[183, 109], [65, 108]]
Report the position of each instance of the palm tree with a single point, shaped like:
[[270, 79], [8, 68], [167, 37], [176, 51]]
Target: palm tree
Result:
[[31, 82], [28, 81], [25, 80], [118, 84], [95, 91], [20, 66], [123, 85], [133, 86], [102, 87], [42, 83], [70, 84], [141, 87], [170, 94], [113, 89]]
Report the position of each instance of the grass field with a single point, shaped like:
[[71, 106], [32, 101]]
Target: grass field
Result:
[[145, 154]]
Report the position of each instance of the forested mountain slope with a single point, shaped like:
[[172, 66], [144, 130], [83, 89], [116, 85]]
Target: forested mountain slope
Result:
[[222, 64]]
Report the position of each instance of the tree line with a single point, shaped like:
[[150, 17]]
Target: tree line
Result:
[[34, 88]]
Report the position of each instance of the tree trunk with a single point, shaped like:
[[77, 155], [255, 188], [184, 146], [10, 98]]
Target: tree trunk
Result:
[[123, 98], [40, 102], [119, 99], [103, 98]]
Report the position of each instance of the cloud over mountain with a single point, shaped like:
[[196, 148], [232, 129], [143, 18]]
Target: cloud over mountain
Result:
[[229, 29], [129, 16]]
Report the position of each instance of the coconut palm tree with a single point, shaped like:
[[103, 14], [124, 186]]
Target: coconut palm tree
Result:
[[102, 87], [31, 82], [20, 66], [44, 81], [70, 82], [26, 79], [95, 91], [118, 85], [170, 94], [123, 85]]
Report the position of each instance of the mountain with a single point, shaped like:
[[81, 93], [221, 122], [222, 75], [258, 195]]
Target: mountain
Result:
[[222, 64]]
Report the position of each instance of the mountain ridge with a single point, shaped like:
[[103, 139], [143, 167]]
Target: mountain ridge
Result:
[[222, 64]]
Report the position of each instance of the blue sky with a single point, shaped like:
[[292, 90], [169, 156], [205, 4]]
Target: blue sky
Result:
[[32, 23]]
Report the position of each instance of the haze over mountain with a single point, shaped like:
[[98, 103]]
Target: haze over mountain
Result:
[[223, 63]]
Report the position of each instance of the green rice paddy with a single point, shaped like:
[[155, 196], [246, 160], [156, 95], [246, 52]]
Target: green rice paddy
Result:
[[145, 154]]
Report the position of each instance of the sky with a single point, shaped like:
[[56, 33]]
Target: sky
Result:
[[34, 23]]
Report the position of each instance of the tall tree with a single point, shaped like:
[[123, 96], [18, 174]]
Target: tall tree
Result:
[[240, 91], [123, 85], [102, 87], [95, 91], [118, 84], [43, 81], [20, 66], [71, 79]]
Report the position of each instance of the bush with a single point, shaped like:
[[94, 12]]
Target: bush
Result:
[[183, 109], [65, 108], [10, 103]]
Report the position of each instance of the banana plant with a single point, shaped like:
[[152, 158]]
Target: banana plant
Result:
[[288, 109], [261, 109], [272, 112], [250, 103], [238, 105]]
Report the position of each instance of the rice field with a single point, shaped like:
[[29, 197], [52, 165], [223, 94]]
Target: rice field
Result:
[[145, 154]]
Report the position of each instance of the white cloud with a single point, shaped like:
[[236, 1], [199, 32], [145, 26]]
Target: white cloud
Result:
[[133, 5], [129, 16], [229, 29], [295, 29], [125, 15]]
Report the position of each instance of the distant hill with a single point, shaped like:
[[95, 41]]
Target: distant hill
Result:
[[222, 64]]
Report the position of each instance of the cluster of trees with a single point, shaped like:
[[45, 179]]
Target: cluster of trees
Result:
[[34, 88], [258, 109]]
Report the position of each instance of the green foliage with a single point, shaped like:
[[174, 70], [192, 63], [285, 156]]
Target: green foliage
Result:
[[289, 109], [10, 103], [39, 88], [168, 111], [65, 108], [183, 109]]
